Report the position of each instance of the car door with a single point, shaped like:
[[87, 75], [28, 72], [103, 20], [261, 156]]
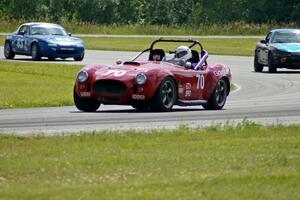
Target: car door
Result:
[[21, 40], [191, 84], [263, 50]]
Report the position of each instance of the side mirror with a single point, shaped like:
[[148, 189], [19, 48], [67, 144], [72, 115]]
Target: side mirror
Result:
[[119, 62], [263, 41], [21, 33], [69, 34]]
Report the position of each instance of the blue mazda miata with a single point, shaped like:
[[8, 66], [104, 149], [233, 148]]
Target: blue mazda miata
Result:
[[43, 40], [280, 49]]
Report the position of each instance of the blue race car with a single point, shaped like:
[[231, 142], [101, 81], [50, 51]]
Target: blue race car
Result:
[[43, 40], [280, 49]]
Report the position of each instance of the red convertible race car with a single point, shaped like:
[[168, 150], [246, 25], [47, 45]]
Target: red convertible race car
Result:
[[156, 79]]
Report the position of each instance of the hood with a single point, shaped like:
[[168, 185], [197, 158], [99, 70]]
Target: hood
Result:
[[289, 47], [59, 39], [128, 70]]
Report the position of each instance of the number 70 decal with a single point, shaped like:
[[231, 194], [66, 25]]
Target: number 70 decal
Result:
[[201, 81]]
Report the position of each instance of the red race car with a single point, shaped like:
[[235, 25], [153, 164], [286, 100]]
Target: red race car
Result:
[[156, 79]]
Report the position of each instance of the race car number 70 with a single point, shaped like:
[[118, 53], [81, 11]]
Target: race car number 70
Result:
[[201, 81]]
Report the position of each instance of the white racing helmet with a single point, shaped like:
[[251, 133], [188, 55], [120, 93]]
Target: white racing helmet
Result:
[[183, 53]]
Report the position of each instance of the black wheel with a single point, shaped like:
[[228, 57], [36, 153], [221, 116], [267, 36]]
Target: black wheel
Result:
[[51, 58], [272, 67], [165, 96], [257, 66], [85, 104], [219, 96], [79, 58], [35, 52], [8, 52]]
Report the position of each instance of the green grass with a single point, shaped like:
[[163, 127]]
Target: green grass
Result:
[[27, 84], [244, 162], [241, 47]]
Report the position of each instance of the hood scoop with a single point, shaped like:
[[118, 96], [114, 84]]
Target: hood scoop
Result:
[[131, 63]]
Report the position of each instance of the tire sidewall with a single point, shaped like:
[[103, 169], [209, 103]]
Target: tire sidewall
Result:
[[158, 104]]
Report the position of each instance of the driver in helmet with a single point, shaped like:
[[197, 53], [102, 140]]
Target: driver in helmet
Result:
[[183, 54]]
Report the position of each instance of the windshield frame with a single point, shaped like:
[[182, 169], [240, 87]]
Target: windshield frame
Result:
[[193, 43]]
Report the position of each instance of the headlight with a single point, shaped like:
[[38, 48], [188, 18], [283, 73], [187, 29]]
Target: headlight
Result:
[[52, 45], [82, 76], [141, 79], [79, 45]]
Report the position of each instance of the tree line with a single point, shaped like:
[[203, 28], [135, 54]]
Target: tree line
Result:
[[159, 12]]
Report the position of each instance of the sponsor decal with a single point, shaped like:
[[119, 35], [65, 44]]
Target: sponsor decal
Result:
[[221, 72], [85, 94], [180, 87], [188, 90], [138, 96]]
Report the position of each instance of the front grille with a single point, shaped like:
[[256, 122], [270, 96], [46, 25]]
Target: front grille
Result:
[[109, 87], [66, 51]]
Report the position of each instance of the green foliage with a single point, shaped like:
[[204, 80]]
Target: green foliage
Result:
[[167, 12], [246, 161]]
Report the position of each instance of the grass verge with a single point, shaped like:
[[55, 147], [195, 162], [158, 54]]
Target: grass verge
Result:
[[221, 162], [27, 84], [241, 47], [236, 28]]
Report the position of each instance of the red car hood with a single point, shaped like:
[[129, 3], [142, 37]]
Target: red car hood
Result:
[[129, 70]]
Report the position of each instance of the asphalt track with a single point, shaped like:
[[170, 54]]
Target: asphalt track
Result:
[[261, 97]]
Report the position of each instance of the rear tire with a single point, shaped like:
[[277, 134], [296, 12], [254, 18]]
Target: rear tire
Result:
[[35, 52], [257, 66], [85, 104], [219, 96], [8, 52], [165, 96], [272, 67]]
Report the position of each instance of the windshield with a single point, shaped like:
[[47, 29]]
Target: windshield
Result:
[[40, 30], [286, 37]]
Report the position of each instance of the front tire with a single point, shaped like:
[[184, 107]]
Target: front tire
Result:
[[35, 52], [85, 104], [219, 96], [79, 58], [165, 96], [257, 66], [8, 52], [272, 67]]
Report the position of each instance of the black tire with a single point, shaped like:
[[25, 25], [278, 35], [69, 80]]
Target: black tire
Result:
[[79, 58], [272, 67], [219, 96], [35, 52], [51, 58], [165, 96], [8, 52], [85, 104], [257, 66]]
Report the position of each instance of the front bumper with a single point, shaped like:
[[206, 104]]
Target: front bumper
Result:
[[62, 51], [291, 61]]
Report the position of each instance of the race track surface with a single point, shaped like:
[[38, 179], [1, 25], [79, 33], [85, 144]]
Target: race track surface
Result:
[[260, 97]]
